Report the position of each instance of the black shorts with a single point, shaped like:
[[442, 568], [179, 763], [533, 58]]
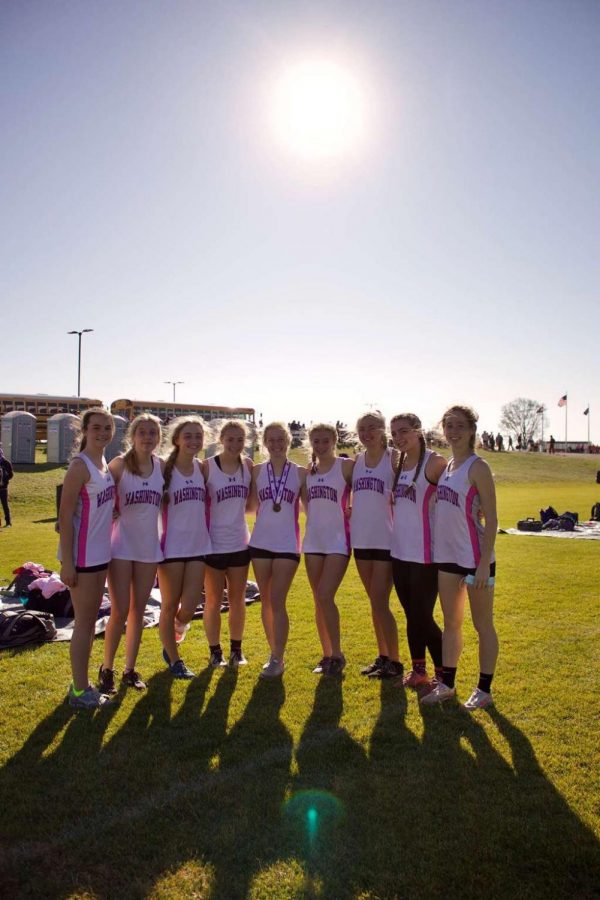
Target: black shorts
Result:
[[183, 559], [453, 569], [100, 568], [373, 555], [259, 553], [223, 561]]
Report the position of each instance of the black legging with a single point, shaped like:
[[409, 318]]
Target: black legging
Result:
[[5, 506], [417, 586]]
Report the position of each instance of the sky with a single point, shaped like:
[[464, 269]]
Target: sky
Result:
[[445, 249]]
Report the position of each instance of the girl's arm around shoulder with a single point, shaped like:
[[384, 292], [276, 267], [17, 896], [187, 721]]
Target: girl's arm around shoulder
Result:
[[435, 468], [252, 502], [116, 468], [347, 469]]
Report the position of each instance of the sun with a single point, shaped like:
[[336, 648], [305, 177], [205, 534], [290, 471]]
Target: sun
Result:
[[318, 110]]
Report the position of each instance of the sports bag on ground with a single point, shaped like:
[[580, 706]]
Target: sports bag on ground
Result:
[[19, 627]]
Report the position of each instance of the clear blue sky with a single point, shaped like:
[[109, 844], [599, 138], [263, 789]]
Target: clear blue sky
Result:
[[455, 257]]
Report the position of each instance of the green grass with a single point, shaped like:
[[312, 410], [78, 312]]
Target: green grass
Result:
[[232, 787]]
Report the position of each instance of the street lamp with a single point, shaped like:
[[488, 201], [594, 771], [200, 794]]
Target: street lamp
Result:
[[174, 383], [79, 333]]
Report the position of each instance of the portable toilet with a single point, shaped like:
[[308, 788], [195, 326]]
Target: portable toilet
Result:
[[62, 430], [18, 437], [116, 445]]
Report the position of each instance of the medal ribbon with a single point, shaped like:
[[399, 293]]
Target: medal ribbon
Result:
[[277, 488]]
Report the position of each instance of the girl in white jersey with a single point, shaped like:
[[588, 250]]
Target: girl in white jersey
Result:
[[85, 523], [326, 545], [275, 540], [413, 569], [464, 552], [184, 538], [135, 547], [371, 532], [228, 483]]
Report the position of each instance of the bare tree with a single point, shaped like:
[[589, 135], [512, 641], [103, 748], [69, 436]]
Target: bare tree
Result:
[[523, 418]]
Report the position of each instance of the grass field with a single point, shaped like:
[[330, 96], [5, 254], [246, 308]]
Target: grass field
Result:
[[231, 787]]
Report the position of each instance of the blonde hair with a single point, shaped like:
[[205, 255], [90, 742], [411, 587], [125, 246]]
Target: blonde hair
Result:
[[272, 426], [80, 428], [415, 423], [380, 419], [470, 415], [130, 457], [319, 426], [175, 429]]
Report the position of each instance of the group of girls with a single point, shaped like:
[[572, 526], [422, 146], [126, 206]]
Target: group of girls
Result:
[[412, 520]]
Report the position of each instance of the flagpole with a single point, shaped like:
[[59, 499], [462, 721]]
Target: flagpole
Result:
[[566, 409], [588, 418]]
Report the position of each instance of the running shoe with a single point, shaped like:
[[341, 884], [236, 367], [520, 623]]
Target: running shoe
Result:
[[416, 678], [106, 681], [216, 660], [180, 631], [320, 667], [440, 693], [374, 667], [90, 699], [479, 700], [336, 666], [390, 669], [133, 679], [237, 658], [274, 668], [180, 671]]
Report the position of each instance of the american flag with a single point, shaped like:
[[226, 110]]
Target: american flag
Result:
[[563, 400]]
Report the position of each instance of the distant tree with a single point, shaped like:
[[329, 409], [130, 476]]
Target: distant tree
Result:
[[523, 418]]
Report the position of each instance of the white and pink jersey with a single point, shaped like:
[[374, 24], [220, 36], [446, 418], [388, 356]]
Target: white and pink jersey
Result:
[[371, 522], [92, 522], [413, 512], [228, 495], [278, 532], [327, 527], [135, 531], [458, 528], [183, 520]]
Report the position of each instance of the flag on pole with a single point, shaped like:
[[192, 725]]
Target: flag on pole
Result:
[[563, 400], [586, 412]]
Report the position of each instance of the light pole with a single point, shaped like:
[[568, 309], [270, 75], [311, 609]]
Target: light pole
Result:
[[79, 333], [174, 383]]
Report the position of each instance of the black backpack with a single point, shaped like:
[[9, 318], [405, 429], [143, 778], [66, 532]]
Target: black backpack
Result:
[[595, 514], [18, 627]]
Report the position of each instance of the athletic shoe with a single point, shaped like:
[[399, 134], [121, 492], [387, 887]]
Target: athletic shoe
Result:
[[415, 679], [180, 631], [216, 660], [106, 681], [237, 658], [479, 700], [180, 671], [335, 666], [374, 667], [90, 699], [274, 668], [389, 669], [320, 667], [440, 693], [133, 679]]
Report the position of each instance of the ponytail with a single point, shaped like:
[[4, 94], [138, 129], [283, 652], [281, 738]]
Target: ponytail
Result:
[[169, 466]]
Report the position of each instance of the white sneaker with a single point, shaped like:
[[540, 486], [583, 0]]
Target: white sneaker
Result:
[[440, 693], [273, 668], [479, 700], [180, 631]]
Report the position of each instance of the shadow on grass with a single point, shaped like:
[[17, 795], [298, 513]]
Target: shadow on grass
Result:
[[178, 800]]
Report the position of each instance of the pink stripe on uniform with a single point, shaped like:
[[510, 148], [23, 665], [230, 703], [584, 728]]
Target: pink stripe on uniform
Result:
[[427, 554], [345, 496], [472, 493], [84, 526]]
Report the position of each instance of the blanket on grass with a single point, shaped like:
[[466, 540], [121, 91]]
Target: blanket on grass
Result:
[[589, 531]]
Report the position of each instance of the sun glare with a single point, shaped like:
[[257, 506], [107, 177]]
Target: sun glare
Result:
[[318, 110]]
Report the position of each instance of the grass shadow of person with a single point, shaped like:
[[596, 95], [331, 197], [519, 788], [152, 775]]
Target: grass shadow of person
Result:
[[323, 814]]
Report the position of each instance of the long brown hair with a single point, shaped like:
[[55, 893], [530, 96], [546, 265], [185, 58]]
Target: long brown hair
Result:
[[320, 426], [175, 429], [81, 429], [130, 456], [415, 423], [470, 415]]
